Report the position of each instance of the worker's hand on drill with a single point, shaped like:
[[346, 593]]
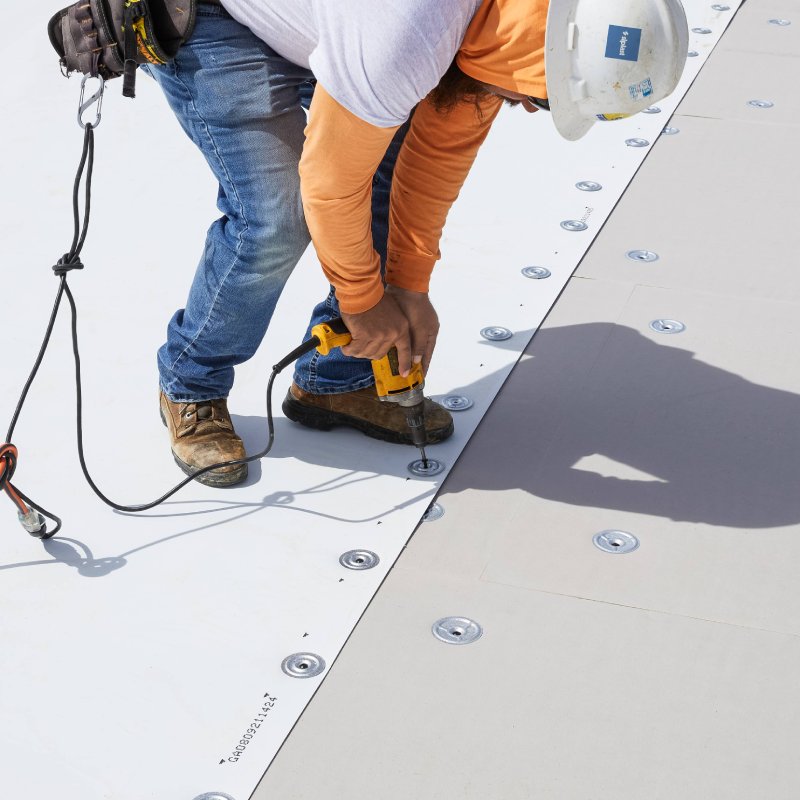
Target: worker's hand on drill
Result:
[[423, 323], [402, 319]]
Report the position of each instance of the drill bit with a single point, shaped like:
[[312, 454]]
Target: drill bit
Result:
[[415, 417]]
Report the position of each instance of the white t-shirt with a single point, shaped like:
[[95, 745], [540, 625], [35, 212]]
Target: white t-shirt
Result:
[[378, 58]]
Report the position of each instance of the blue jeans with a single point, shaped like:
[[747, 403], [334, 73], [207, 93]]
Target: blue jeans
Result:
[[242, 105]]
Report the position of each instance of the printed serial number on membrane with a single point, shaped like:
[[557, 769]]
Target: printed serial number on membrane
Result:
[[258, 720]]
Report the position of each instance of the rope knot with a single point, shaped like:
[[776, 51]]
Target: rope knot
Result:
[[67, 263]]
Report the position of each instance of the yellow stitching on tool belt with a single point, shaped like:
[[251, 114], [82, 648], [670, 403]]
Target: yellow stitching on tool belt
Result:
[[145, 47]]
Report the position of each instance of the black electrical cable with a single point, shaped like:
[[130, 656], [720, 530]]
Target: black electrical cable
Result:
[[68, 262]]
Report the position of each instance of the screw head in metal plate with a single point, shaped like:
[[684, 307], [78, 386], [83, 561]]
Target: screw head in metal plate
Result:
[[214, 796], [693, 54], [537, 273], [651, 110], [637, 142], [703, 31], [642, 255], [419, 470], [574, 225], [457, 402], [457, 630], [303, 665], [612, 541], [589, 186], [669, 131], [435, 511], [760, 103], [359, 559], [667, 326], [720, 7], [782, 23], [495, 333]]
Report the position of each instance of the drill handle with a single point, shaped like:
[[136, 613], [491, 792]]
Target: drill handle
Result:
[[331, 334], [388, 380], [324, 337]]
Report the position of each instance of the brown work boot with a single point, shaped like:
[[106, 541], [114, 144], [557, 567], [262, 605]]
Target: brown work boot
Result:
[[363, 410], [201, 434]]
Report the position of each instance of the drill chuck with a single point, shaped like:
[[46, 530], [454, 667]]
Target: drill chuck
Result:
[[408, 398]]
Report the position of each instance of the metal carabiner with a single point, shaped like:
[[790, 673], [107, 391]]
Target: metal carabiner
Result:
[[97, 97]]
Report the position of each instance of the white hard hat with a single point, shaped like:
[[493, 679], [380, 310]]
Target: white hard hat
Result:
[[607, 59]]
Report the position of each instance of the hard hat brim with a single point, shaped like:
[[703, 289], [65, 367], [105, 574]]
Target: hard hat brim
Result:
[[558, 74]]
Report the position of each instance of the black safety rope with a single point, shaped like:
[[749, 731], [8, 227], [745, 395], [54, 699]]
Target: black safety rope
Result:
[[69, 261], [32, 516]]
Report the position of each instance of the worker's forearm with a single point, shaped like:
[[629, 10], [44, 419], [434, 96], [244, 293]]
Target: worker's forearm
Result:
[[340, 157], [434, 161]]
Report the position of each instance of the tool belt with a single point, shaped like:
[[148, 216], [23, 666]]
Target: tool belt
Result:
[[109, 38]]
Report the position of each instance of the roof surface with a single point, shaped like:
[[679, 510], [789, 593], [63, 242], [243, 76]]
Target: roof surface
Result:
[[140, 649], [670, 671]]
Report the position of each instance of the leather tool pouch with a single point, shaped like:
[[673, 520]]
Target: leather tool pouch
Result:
[[110, 38]]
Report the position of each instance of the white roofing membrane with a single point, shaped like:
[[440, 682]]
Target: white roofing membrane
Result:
[[139, 650]]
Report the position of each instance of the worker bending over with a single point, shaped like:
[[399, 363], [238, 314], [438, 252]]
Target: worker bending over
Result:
[[400, 97]]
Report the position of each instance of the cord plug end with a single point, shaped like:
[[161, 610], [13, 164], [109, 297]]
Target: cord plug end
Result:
[[33, 522]]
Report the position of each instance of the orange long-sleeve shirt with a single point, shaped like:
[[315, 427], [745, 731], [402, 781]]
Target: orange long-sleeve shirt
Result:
[[503, 46], [341, 155]]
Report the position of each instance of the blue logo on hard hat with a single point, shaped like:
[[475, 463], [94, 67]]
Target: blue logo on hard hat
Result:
[[623, 43]]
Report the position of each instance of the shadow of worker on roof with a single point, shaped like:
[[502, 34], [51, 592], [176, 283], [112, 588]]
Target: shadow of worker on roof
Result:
[[592, 400]]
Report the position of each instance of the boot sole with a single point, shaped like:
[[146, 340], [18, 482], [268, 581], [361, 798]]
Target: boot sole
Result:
[[214, 479], [322, 420]]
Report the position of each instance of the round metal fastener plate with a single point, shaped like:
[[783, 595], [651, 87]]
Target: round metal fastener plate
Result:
[[651, 110], [589, 186], [457, 402], [668, 131], [457, 630], [615, 541], [574, 225], [303, 665], [760, 103], [703, 31], [419, 469], [693, 54], [642, 255], [780, 22], [637, 142], [359, 559], [667, 326], [537, 273], [494, 333], [435, 511], [214, 796], [720, 7]]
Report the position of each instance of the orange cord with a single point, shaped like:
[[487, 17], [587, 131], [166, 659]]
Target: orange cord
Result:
[[8, 453]]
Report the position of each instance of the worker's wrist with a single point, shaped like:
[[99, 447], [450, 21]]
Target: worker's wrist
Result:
[[392, 288], [409, 283]]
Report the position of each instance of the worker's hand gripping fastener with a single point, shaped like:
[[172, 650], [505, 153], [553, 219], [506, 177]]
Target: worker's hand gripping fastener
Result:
[[390, 385]]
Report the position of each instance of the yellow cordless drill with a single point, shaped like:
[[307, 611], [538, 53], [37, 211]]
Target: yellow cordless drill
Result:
[[391, 386]]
